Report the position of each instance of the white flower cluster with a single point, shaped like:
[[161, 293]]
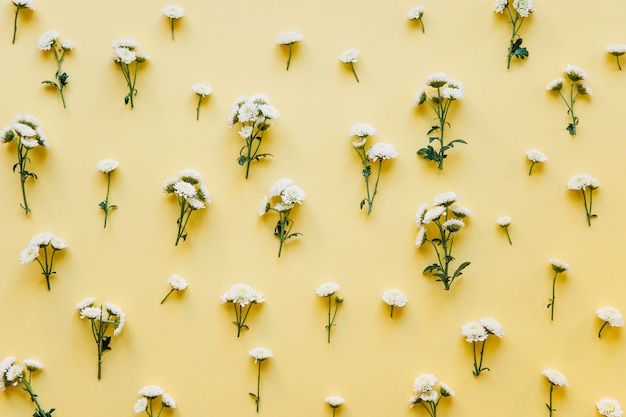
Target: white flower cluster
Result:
[[424, 389], [555, 377], [31, 251], [288, 38], [524, 7], [289, 194], [445, 89], [27, 129], [254, 112], [107, 165], [126, 51], [504, 221], [115, 314], [582, 181], [242, 294], [441, 204], [150, 393], [189, 186], [610, 315], [609, 407], [260, 354], [478, 331], [11, 372]]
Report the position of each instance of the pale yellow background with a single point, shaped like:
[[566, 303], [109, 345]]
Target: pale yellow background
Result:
[[188, 346]]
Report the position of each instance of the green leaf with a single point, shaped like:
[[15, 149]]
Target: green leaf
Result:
[[242, 160], [431, 268], [126, 99], [106, 341], [294, 235], [460, 268], [432, 129], [262, 155], [63, 79], [456, 141], [571, 129], [367, 171], [363, 203], [518, 51], [51, 83], [253, 396]]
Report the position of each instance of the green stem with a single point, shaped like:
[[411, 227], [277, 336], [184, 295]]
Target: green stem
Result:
[[100, 337], [198, 108], [106, 200], [172, 21], [550, 405], [602, 328], [432, 411], [422, 24], [258, 388], [329, 321], [391, 315], [242, 322], [587, 210], [33, 397], [530, 171], [17, 11], [354, 72], [618, 64], [371, 201], [22, 158], [182, 221], [334, 409], [553, 296], [506, 229], [289, 59], [58, 74], [168, 294]]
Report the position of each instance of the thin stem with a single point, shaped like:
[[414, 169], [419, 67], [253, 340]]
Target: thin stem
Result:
[[258, 387], [618, 64], [590, 214], [587, 211], [530, 171], [602, 328], [371, 201], [106, 200], [480, 364], [329, 321], [237, 318], [550, 405], [432, 411], [422, 24], [172, 20], [33, 397], [506, 229], [198, 108], [17, 11], [354, 72], [101, 330], [243, 320], [391, 315], [334, 409], [23, 173], [289, 59], [553, 296], [58, 74], [168, 294]]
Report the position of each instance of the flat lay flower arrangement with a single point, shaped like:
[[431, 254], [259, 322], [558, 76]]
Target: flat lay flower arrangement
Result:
[[13, 374], [49, 41], [577, 86], [42, 248], [242, 297], [517, 11], [128, 58]]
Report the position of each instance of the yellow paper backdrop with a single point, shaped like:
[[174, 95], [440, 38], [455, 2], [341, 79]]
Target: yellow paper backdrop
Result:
[[188, 345]]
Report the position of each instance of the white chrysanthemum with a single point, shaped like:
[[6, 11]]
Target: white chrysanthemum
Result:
[[91, 313], [6, 364], [87, 302], [419, 215], [382, 151], [58, 243], [124, 55], [362, 130], [581, 182], [269, 111], [395, 298], [168, 184], [279, 186], [202, 90], [609, 407], [524, 7], [416, 12], [167, 401], [32, 364], [151, 391], [334, 401], [555, 85], [42, 239], [453, 225], [500, 5], [429, 396], [421, 237], [107, 165], [611, 315], [6, 135], [424, 383], [184, 189], [617, 50], [195, 203], [437, 80], [280, 207], [555, 377], [29, 143], [141, 57], [24, 4], [114, 310], [292, 195], [177, 282], [173, 12], [327, 289], [24, 130], [203, 193], [492, 326], [43, 140], [141, 405], [263, 207], [67, 44], [559, 266], [536, 156], [359, 143], [14, 372], [350, 55], [259, 99], [446, 391], [241, 294], [247, 112], [245, 132], [420, 96], [504, 221], [288, 38], [260, 354], [461, 212], [474, 332], [433, 214], [445, 199], [190, 175], [575, 73], [47, 40], [583, 88], [453, 93], [29, 254], [125, 43]]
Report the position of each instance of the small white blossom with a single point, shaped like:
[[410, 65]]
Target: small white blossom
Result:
[[575, 73], [492, 326], [474, 332], [334, 401], [555, 377], [555, 85], [504, 221], [349, 56], [48, 39], [151, 391], [609, 407], [167, 401], [173, 12], [292, 195], [381, 151], [289, 38], [177, 282], [611, 315], [141, 405], [395, 298], [107, 165], [559, 266], [327, 289], [453, 225], [362, 130], [242, 294], [616, 50], [279, 186], [260, 354], [29, 254], [32, 364], [87, 302], [500, 5], [581, 182], [424, 383], [460, 211], [437, 80], [202, 90], [536, 156], [445, 199], [91, 313], [524, 7], [416, 12], [67, 44]]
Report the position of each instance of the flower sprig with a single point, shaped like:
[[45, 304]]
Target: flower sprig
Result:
[[617, 51], [504, 222], [328, 290], [19, 5], [286, 195], [535, 157], [149, 395], [578, 86], [448, 221], [26, 132], [610, 316], [558, 267], [394, 298], [241, 295], [259, 354], [443, 92], [107, 166], [556, 379], [12, 374], [50, 244], [177, 283], [377, 152], [125, 55], [289, 39], [100, 325], [479, 331], [255, 114], [48, 41], [427, 395], [172, 12], [417, 13], [521, 10], [201, 91], [191, 194], [350, 56], [582, 182], [335, 402]]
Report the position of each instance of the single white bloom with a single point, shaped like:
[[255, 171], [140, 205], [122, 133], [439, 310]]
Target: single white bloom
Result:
[[259, 99], [141, 405], [6, 135], [416, 12], [245, 132], [263, 207], [67, 44], [445, 199], [382, 151], [32, 364], [195, 203], [474, 332], [419, 216], [5, 365], [177, 282], [47, 40], [43, 140], [28, 4], [437, 80], [14, 373], [429, 396], [583, 88], [524, 7], [58, 243], [24, 130], [292, 195], [202, 90], [395, 298], [173, 12], [460, 211], [29, 254], [453, 225], [536, 156], [87, 302], [421, 237], [500, 5], [413, 399], [420, 96], [42, 239], [168, 185], [167, 401], [29, 143], [91, 313], [203, 193], [424, 383], [124, 55], [280, 207], [289, 38], [184, 189], [190, 175], [141, 57], [125, 43], [555, 377], [445, 390], [242, 294], [504, 221], [359, 143], [362, 130], [575, 73], [327, 289], [334, 401], [559, 266], [609, 407], [269, 111], [433, 214], [247, 112], [492, 326], [581, 182], [260, 354], [617, 50], [151, 391], [555, 85], [349, 56], [114, 310], [611, 315], [279, 186], [453, 93], [107, 165]]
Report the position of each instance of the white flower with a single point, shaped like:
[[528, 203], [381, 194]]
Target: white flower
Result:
[[292, 195], [24, 130], [334, 401], [32, 364], [190, 175], [47, 40], [42, 239], [28, 4], [141, 405], [242, 294], [583, 88], [504, 221], [421, 237], [536, 156], [29, 143], [616, 50], [559, 266], [14, 373], [460, 211], [91, 313], [575, 73], [67, 44], [245, 132], [327, 289], [500, 5], [429, 396], [177, 282], [581, 182], [437, 80], [195, 203], [453, 93], [167, 401], [555, 377], [184, 189], [611, 315], [474, 332], [420, 96], [107, 165], [555, 85], [609, 407], [424, 383], [124, 55], [87, 302], [263, 206], [381, 151], [433, 214], [492, 326], [247, 112], [269, 111], [350, 55], [445, 199], [445, 390], [524, 7], [280, 207], [5, 365], [260, 354], [29, 254], [453, 225], [58, 243], [114, 310], [362, 130], [279, 186], [419, 216], [125, 43], [289, 38], [395, 298], [202, 90], [173, 12], [416, 13], [151, 391]]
